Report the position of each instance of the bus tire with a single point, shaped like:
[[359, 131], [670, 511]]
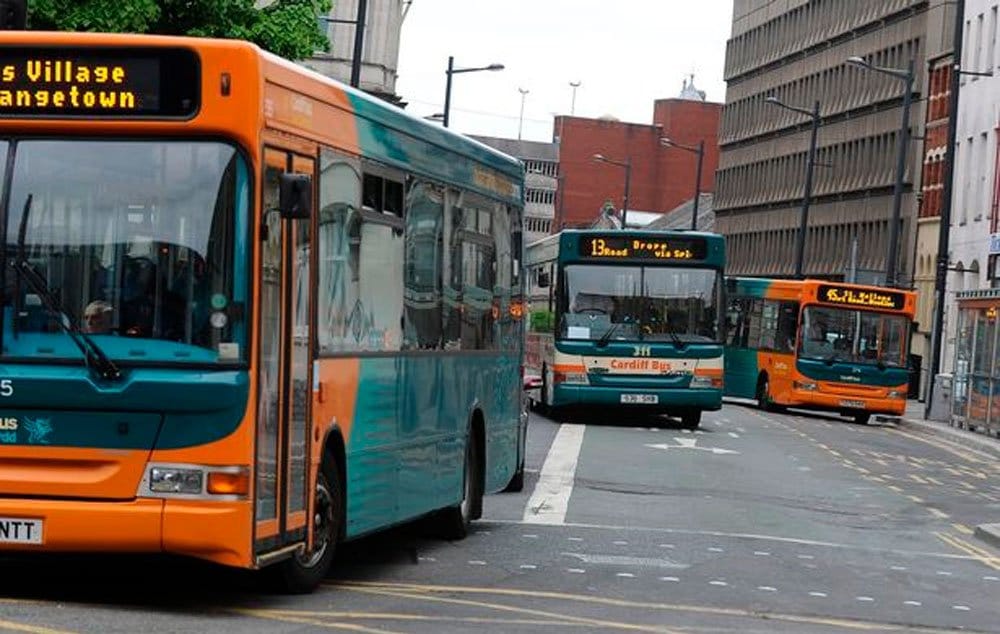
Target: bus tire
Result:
[[303, 572], [454, 522], [862, 418], [691, 419], [516, 484], [764, 401]]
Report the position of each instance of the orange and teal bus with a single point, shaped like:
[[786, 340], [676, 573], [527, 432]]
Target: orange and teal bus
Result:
[[626, 319], [819, 345], [225, 332]]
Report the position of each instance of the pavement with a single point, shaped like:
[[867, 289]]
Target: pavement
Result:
[[757, 522]]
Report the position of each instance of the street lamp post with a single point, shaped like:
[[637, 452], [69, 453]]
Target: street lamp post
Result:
[[520, 120], [454, 71], [800, 243], [700, 151], [627, 166], [572, 104], [906, 76]]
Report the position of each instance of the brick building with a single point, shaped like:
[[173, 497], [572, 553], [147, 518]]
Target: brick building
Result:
[[661, 177]]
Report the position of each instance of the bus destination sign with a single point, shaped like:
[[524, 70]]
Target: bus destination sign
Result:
[[114, 83], [862, 298], [621, 247]]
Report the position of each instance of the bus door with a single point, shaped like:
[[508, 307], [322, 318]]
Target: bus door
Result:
[[284, 424]]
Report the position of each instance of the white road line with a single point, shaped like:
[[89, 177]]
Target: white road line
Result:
[[767, 588], [718, 583], [900, 568], [550, 499], [761, 553], [427, 559], [477, 562], [822, 595], [529, 567], [620, 542], [963, 608], [530, 536], [944, 573], [575, 539], [865, 599], [991, 578], [733, 435], [913, 603], [625, 575], [716, 550], [805, 557], [576, 571], [666, 545], [669, 579]]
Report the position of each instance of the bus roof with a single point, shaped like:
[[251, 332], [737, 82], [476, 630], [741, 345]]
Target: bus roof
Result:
[[308, 82]]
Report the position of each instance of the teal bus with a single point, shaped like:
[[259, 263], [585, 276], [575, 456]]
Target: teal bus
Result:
[[629, 319]]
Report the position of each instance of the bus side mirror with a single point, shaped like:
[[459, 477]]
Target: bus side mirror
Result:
[[543, 279], [295, 196]]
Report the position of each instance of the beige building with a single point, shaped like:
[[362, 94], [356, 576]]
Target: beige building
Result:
[[797, 51]]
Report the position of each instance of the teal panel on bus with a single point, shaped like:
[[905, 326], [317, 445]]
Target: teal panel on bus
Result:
[[656, 349], [741, 372], [195, 406], [856, 373], [388, 135], [408, 437]]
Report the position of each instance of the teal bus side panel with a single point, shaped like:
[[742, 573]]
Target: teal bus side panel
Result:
[[406, 452], [741, 372]]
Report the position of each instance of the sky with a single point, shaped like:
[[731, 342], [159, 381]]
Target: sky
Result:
[[624, 53]]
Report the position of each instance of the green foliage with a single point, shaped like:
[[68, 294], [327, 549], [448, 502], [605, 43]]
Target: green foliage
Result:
[[542, 321], [285, 27]]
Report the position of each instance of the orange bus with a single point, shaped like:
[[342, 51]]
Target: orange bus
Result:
[[819, 345], [224, 325]]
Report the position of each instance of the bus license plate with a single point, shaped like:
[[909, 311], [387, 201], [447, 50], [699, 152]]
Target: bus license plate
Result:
[[854, 404], [643, 399], [17, 530]]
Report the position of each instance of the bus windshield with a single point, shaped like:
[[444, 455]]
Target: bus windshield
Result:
[[854, 336], [136, 241], [645, 303]]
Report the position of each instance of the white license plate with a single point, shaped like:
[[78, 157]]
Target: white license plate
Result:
[[644, 399], [19, 530], [855, 404]]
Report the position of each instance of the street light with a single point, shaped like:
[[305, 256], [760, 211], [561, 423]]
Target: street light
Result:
[[572, 104], [520, 121], [906, 76], [359, 39], [454, 71], [800, 244], [627, 165], [700, 151]]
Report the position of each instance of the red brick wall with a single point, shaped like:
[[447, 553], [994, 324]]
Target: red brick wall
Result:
[[662, 178]]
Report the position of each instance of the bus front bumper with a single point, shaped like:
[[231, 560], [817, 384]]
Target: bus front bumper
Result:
[[213, 531], [675, 399], [848, 403]]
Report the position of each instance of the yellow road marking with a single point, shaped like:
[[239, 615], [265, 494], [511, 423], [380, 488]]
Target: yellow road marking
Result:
[[267, 614], [938, 513], [14, 626], [934, 481], [413, 616], [915, 499], [962, 528], [977, 553], [943, 445], [420, 596], [917, 478], [419, 589], [836, 453], [896, 488]]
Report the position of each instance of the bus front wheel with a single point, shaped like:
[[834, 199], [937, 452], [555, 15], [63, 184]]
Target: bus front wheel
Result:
[[764, 401], [862, 418], [302, 572], [454, 522]]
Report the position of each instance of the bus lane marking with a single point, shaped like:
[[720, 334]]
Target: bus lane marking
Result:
[[691, 443], [14, 626], [549, 501]]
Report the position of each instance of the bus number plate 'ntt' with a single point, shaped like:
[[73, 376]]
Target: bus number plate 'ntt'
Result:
[[864, 298], [618, 247], [14, 530], [113, 83]]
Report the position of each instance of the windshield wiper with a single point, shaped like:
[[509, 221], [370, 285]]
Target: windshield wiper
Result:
[[93, 356], [606, 337]]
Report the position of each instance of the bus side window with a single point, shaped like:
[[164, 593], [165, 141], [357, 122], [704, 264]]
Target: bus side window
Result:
[[788, 322], [734, 321], [754, 317]]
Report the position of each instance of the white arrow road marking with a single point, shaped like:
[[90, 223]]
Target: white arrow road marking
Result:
[[691, 443], [621, 560]]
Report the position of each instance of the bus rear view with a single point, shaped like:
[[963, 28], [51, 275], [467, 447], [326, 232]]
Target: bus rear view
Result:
[[628, 319]]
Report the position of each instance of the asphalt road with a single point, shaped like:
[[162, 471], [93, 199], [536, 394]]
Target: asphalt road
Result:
[[755, 523]]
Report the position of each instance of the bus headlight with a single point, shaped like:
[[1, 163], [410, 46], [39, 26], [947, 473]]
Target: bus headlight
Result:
[[577, 378], [699, 382], [896, 394], [807, 386], [175, 480]]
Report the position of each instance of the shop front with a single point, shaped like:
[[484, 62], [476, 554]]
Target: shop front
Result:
[[976, 383]]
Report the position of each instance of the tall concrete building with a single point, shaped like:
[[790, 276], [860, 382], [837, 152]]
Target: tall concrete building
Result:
[[797, 51], [380, 53]]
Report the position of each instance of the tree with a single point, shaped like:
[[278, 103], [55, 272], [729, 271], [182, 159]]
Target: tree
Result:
[[289, 28]]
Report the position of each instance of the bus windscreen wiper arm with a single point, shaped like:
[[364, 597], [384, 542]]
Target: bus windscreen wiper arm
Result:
[[93, 356]]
